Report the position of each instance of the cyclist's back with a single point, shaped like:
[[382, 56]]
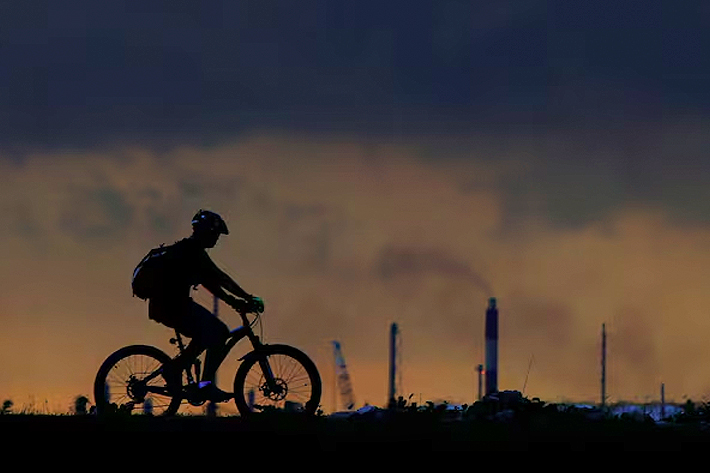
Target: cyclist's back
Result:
[[187, 266]]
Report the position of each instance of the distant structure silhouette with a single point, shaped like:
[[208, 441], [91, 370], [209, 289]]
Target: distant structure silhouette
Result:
[[663, 400], [603, 380], [395, 375], [343, 378], [491, 347]]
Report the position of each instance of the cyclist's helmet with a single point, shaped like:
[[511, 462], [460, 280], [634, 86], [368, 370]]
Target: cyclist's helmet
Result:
[[204, 220]]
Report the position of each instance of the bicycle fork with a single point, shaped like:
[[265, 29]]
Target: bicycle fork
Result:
[[271, 387]]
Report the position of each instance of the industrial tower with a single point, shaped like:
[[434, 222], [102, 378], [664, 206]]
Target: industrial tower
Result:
[[343, 378], [491, 347], [395, 374]]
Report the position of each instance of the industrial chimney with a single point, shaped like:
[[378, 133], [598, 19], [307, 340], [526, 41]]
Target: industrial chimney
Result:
[[491, 347], [392, 384]]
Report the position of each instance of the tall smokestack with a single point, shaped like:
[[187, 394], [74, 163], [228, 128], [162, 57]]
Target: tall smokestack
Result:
[[491, 347], [603, 365], [392, 386]]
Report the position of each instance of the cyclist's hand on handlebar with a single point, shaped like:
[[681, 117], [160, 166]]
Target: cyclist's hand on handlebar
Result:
[[250, 304], [256, 304]]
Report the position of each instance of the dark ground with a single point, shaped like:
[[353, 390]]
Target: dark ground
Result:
[[424, 432]]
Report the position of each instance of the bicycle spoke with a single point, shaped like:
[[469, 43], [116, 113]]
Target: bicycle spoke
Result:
[[292, 383], [123, 385]]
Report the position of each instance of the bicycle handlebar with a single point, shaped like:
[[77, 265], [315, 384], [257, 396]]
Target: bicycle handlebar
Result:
[[255, 306]]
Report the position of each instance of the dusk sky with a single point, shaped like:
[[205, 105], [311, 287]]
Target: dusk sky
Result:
[[376, 162]]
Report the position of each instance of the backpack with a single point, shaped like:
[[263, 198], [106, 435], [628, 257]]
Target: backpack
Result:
[[151, 273]]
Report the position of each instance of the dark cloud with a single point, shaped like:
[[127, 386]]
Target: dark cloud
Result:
[[606, 104], [81, 72], [570, 177]]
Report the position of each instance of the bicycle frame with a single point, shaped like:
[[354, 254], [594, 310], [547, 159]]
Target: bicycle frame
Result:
[[269, 376], [235, 335]]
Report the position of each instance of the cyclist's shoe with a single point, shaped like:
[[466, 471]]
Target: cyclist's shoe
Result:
[[208, 391]]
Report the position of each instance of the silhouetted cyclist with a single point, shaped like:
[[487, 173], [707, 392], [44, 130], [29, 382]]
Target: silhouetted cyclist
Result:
[[171, 304]]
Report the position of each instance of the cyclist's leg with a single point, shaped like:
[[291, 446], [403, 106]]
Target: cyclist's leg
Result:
[[207, 332], [174, 312]]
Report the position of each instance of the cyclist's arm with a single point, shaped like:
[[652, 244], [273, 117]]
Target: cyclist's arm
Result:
[[230, 285], [218, 281], [217, 291]]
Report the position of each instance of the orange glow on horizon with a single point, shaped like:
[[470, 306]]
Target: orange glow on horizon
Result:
[[324, 241]]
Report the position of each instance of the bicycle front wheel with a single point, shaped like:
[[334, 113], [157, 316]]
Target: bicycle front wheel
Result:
[[129, 382], [293, 384]]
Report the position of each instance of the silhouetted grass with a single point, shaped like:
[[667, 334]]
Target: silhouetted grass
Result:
[[495, 424]]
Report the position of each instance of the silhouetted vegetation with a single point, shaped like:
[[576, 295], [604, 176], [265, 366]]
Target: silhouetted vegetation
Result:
[[505, 420], [81, 404]]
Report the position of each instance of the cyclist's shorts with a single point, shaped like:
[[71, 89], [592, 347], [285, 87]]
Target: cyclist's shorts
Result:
[[190, 319]]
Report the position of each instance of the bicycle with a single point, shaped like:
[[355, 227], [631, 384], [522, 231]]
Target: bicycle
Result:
[[270, 377]]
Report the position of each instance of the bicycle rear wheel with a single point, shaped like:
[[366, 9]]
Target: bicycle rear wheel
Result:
[[127, 382], [296, 383]]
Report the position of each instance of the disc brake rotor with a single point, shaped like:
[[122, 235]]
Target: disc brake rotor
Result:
[[278, 393]]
